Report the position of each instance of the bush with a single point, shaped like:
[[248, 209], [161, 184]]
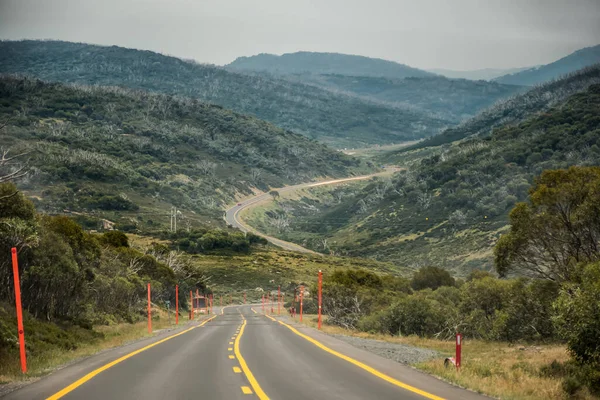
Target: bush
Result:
[[431, 277]]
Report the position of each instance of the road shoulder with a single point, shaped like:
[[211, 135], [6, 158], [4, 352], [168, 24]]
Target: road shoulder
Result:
[[401, 372]]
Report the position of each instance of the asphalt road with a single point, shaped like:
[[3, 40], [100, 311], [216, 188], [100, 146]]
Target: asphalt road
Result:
[[239, 354], [232, 214]]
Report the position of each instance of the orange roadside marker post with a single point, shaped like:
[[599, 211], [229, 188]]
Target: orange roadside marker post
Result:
[[301, 298], [176, 304], [21, 331], [149, 311], [192, 305], [320, 298]]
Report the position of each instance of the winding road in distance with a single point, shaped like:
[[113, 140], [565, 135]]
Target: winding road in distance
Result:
[[232, 214], [239, 353]]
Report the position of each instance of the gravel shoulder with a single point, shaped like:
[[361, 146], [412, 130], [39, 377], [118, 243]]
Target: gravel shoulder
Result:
[[400, 353]]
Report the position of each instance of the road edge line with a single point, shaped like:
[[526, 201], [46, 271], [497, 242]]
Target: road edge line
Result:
[[361, 365], [95, 372], [251, 379]]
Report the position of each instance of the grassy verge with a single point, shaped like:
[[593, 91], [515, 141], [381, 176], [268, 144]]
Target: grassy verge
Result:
[[50, 346], [497, 369]]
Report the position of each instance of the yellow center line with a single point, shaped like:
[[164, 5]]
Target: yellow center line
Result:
[[359, 364], [95, 372], [257, 389], [237, 370]]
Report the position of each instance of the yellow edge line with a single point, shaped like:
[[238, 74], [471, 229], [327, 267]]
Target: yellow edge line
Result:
[[257, 389], [95, 372], [361, 365]]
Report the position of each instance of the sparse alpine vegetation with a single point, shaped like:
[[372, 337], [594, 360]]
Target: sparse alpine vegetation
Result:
[[131, 155], [450, 206], [341, 120]]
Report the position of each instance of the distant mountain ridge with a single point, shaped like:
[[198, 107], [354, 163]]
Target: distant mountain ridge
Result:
[[325, 63], [518, 108], [485, 74], [451, 99], [580, 59], [340, 120]]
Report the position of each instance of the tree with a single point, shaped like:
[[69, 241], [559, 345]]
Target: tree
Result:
[[577, 320], [431, 277], [11, 168], [274, 194], [558, 229]]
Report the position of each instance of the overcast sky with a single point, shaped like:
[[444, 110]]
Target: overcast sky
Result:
[[453, 34]]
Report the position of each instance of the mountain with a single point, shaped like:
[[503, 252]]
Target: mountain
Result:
[[128, 156], [485, 74], [325, 63], [450, 205], [450, 99], [340, 120], [533, 76], [516, 109]]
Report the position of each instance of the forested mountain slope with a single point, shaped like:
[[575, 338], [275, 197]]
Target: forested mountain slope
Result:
[[325, 63], [449, 207], [450, 99], [109, 151], [580, 59], [333, 118], [516, 109]]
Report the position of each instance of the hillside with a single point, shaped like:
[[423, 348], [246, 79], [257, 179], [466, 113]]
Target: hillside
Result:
[[129, 156], [325, 63], [486, 74], [580, 59], [514, 110], [342, 121], [450, 99], [449, 207]]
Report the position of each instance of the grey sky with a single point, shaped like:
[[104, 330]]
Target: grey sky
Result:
[[453, 34]]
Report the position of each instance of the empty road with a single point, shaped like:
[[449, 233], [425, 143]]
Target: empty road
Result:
[[239, 354]]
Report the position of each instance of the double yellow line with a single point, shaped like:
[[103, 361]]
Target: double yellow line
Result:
[[95, 372]]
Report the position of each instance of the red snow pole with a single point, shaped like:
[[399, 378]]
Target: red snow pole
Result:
[[320, 297], [20, 329]]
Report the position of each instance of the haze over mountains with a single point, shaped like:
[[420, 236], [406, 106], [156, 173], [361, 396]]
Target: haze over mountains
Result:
[[532, 76]]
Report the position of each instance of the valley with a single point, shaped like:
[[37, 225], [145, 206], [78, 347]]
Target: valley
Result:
[[403, 205]]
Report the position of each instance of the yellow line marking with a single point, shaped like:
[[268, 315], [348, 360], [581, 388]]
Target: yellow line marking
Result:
[[229, 349], [95, 372], [231, 356], [361, 365], [230, 342], [233, 338], [257, 389], [253, 310], [237, 370], [246, 390]]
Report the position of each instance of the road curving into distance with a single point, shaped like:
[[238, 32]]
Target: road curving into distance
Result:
[[240, 353], [232, 214]]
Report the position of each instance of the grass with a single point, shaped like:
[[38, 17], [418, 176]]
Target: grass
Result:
[[46, 351], [264, 270], [502, 370]]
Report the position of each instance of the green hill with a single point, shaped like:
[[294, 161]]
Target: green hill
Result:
[[343, 121], [451, 204], [128, 156], [450, 99], [580, 59], [514, 110], [325, 63]]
